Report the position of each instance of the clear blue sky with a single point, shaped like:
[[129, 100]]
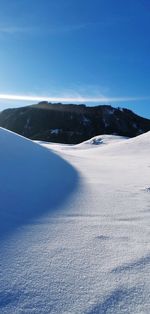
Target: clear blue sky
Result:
[[80, 49]]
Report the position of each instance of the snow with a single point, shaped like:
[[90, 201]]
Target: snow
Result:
[[121, 109], [91, 143], [110, 111], [75, 226], [31, 179], [27, 125], [103, 139], [86, 121], [55, 131], [106, 123]]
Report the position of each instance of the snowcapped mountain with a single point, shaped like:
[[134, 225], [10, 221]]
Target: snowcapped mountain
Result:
[[74, 226], [72, 123]]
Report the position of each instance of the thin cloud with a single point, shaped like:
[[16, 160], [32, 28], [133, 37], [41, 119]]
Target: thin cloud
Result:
[[79, 99], [66, 28], [15, 30], [55, 29]]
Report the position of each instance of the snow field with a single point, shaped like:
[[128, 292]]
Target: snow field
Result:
[[84, 247]]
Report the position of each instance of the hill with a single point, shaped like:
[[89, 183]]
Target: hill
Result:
[[72, 124]]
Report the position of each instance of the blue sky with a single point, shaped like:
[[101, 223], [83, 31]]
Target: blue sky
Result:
[[89, 51]]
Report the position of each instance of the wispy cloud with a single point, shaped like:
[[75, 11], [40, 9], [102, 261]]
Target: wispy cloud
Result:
[[15, 30], [57, 29], [66, 99], [51, 30], [66, 28]]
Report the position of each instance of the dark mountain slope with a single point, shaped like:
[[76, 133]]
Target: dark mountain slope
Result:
[[72, 123]]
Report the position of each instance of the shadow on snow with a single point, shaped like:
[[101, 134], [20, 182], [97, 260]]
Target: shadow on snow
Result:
[[33, 181]]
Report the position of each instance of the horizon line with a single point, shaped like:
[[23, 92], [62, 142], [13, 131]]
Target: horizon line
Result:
[[79, 99]]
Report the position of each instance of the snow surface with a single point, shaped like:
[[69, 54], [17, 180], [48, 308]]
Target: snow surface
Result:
[[74, 226], [91, 143], [103, 139]]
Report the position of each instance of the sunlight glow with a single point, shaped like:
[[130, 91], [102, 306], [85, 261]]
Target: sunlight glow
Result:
[[70, 99]]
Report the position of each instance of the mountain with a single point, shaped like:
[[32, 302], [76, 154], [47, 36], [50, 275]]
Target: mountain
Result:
[[72, 123]]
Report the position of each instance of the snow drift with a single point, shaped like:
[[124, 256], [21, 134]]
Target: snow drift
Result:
[[101, 140], [33, 180]]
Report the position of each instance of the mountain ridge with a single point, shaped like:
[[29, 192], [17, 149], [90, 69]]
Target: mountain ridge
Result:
[[72, 124]]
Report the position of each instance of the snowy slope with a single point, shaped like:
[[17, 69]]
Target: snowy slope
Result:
[[101, 140], [87, 252], [94, 142], [31, 178]]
